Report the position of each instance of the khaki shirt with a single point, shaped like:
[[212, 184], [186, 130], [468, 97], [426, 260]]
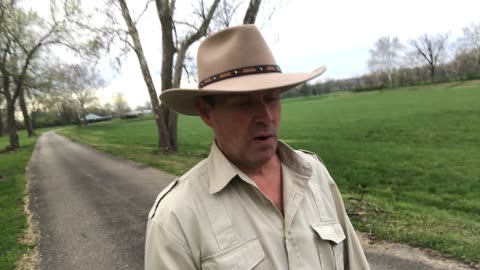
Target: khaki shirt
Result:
[[215, 217]]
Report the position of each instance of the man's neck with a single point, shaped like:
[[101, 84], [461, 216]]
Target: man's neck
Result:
[[268, 179], [264, 170]]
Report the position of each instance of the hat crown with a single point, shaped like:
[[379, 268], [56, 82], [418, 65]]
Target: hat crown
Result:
[[232, 48]]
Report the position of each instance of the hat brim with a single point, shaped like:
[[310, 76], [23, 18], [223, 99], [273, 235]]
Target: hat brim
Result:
[[182, 100]]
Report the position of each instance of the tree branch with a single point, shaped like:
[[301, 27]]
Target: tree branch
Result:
[[143, 11], [252, 11]]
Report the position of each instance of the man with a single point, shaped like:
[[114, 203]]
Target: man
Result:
[[254, 203]]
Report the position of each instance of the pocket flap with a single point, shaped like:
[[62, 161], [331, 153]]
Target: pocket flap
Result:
[[331, 231], [243, 256]]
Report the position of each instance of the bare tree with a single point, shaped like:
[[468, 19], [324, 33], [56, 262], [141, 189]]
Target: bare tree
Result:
[[225, 13], [471, 38], [384, 57], [171, 73], [430, 48], [120, 104], [147, 105], [24, 35], [178, 34], [82, 81]]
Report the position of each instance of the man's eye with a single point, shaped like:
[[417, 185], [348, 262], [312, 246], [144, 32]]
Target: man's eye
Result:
[[271, 99], [240, 103]]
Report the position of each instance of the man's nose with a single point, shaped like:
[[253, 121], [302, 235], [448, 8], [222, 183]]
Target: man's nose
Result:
[[263, 111]]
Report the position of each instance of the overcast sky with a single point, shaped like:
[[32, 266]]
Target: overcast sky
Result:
[[305, 34]]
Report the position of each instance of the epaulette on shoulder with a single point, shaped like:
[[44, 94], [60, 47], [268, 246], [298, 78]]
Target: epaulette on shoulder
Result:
[[162, 194], [312, 154]]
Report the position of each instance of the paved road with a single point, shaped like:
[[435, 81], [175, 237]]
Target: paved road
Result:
[[92, 208]]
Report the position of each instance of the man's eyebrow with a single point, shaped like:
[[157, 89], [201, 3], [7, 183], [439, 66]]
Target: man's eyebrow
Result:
[[233, 97]]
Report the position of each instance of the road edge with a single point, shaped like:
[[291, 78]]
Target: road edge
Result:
[[30, 260], [429, 257]]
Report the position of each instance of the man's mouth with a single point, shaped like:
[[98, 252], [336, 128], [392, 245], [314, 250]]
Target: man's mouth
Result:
[[263, 137]]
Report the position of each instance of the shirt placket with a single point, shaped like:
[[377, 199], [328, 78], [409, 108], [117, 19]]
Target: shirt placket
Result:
[[295, 186]]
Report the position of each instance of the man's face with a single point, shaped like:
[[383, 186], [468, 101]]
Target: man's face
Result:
[[245, 125]]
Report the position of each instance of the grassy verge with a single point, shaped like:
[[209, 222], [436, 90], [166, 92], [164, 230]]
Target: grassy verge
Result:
[[13, 220], [412, 152]]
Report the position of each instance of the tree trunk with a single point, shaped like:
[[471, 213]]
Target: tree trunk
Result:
[[159, 111], [83, 118], [171, 75], [390, 81], [172, 129], [165, 15], [10, 101], [252, 11], [34, 115], [26, 117], [12, 126], [1, 123]]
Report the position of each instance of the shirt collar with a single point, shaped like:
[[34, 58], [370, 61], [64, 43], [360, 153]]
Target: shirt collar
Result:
[[222, 171]]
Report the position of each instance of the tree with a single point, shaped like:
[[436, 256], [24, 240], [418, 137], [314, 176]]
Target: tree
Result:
[[225, 13], [82, 81], [147, 106], [1, 117], [52, 95], [24, 35], [19, 45], [430, 48], [472, 40], [177, 37], [166, 119], [178, 34], [120, 104], [384, 57], [171, 73]]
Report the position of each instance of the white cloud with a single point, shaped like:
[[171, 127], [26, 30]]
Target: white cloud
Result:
[[339, 33]]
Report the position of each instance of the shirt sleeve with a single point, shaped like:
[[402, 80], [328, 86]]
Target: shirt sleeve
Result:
[[164, 250]]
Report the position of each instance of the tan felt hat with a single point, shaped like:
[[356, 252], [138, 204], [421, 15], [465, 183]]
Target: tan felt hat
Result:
[[234, 60]]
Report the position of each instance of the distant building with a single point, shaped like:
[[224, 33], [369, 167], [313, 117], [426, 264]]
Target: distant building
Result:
[[132, 114], [96, 118]]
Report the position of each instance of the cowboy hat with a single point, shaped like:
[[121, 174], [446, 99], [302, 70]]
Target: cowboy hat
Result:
[[234, 60]]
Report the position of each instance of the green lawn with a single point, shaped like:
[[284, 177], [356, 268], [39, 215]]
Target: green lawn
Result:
[[13, 221], [414, 154]]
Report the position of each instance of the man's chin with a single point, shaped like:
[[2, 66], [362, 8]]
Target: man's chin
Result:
[[266, 153]]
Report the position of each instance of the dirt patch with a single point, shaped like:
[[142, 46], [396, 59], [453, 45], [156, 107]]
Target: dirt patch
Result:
[[430, 258], [31, 259]]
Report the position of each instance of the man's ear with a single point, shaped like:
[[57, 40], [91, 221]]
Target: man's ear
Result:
[[204, 110]]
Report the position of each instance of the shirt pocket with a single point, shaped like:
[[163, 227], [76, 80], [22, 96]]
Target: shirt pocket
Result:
[[242, 256], [330, 244]]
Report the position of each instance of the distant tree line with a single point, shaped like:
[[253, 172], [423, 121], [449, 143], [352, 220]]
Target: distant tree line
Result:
[[427, 59], [51, 109]]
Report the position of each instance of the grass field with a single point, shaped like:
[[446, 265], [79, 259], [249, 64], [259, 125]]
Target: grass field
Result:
[[414, 154], [13, 221]]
